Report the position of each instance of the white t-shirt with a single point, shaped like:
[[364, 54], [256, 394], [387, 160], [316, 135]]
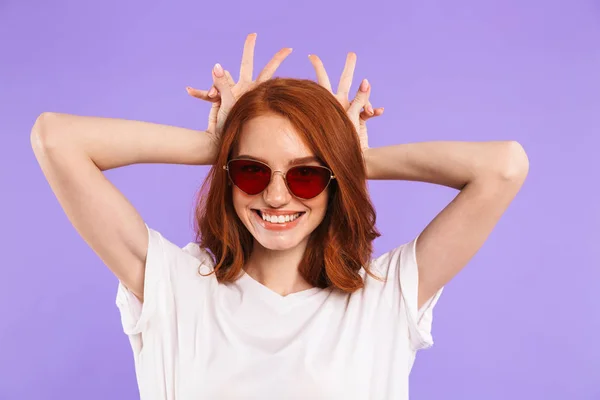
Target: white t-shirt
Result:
[[194, 338]]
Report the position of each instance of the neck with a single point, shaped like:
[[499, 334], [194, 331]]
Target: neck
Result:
[[278, 269]]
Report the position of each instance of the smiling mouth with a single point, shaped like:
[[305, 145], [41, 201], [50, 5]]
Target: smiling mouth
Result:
[[297, 215]]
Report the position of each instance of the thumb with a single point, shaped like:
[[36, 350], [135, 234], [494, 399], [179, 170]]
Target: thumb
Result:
[[360, 100], [221, 83]]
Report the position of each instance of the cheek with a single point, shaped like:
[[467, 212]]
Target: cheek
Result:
[[239, 202], [319, 205]]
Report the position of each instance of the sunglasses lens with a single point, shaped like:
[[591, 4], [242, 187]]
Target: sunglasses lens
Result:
[[307, 182], [250, 176]]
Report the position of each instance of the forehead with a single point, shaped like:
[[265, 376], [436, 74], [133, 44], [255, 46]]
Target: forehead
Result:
[[272, 138]]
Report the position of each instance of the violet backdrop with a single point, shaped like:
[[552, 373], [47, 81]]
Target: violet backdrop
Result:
[[520, 322]]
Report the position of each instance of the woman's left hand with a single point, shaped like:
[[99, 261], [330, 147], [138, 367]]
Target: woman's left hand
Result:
[[359, 109]]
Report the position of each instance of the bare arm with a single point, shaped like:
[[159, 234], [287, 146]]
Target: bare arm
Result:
[[74, 150], [488, 174]]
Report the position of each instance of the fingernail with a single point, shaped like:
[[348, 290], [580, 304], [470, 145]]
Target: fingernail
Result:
[[189, 89], [212, 92], [364, 86], [219, 70]]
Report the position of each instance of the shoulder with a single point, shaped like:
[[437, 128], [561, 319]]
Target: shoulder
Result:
[[391, 262], [391, 273], [165, 253], [200, 254]]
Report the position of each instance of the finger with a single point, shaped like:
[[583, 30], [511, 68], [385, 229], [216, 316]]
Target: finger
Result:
[[198, 93], [222, 117], [365, 115], [347, 75], [360, 100], [378, 111], [202, 94], [367, 111], [269, 69], [212, 117], [229, 79], [220, 83], [248, 58], [212, 92], [322, 77]]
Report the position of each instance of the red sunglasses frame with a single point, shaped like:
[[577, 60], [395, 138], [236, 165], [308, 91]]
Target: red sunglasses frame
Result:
[[283, 173]]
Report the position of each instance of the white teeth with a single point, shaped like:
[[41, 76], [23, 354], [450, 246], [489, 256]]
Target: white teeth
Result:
[[280, 219]]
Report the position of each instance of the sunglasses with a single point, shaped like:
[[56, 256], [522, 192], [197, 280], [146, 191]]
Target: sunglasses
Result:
[[303, 181]]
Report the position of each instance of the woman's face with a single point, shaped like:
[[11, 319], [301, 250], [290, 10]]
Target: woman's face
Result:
[[273, 140]]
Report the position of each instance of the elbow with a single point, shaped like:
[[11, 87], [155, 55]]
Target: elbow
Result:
[[44, 135], [515, 162]]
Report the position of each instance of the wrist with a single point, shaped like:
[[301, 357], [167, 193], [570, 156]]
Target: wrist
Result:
[[205, 149], [368, 157]]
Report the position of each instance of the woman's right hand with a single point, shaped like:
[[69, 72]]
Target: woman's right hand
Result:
[[225, 92]]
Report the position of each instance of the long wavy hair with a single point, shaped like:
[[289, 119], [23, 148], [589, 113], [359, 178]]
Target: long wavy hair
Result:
[[342, 243]]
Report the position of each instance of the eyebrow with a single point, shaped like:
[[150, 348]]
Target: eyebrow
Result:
[[295, 161]]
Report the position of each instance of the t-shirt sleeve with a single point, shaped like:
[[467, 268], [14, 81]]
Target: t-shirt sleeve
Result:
[[399, 268], [169, 272]]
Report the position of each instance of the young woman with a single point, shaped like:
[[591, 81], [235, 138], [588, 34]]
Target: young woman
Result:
[[279, 297]]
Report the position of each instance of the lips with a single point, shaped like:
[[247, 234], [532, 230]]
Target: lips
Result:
[[277, 213], [277, 226], [260, 214]]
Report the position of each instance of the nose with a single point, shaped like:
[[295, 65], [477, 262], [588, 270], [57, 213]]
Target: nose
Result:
[[277, 193]]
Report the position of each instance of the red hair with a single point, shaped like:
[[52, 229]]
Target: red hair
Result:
[[342, 243]]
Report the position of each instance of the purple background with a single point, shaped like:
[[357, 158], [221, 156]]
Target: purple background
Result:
[[520, 322]]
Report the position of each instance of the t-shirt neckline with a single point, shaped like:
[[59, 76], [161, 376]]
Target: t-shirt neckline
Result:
[[249, 283]]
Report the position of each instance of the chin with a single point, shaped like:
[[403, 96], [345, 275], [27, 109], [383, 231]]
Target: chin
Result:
[[278, 245]]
